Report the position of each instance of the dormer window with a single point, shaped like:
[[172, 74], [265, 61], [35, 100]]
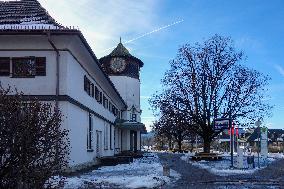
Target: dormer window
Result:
[[134, 117]]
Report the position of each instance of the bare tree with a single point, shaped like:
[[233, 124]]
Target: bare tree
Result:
[[173, 127], [206, 81], [33, 146]]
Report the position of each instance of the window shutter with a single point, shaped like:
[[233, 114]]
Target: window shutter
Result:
[[4, 66], [40, 64]]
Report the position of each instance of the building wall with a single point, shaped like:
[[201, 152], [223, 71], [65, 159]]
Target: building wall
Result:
[[125, 140], [75, 119], [40, 85], [74, 64], [129, 89], [75, 88], [77, 122]]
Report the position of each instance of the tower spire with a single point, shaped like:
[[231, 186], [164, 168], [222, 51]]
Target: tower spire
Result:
[[119, 39]]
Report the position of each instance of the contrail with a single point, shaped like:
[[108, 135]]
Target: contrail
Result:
[[149, 33]]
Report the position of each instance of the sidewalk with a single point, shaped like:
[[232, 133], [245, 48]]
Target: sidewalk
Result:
[[193, 177]]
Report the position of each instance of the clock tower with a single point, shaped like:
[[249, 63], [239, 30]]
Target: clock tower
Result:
[[123, 70]]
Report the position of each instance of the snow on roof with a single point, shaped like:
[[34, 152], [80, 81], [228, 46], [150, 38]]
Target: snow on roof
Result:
[[25, 14]]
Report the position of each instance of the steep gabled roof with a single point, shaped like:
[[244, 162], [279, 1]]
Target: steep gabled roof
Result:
[[25, 14]]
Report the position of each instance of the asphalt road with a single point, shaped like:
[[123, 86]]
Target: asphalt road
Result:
[[193, 177]]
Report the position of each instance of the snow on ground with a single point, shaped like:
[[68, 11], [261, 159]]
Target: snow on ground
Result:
[[146, 172], [222, 167]]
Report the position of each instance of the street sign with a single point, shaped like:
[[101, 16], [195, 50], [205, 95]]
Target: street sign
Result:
[[221, 124]]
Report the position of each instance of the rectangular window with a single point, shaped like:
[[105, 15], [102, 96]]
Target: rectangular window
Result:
[[97, 94], [106, 136], [113, 109], [92, 90], [24, 67], [109, 106], [87, 85], [4, 66], [40, 66], [110, 137], [134, 117], [101, 98], [104, 101], [90, 133]]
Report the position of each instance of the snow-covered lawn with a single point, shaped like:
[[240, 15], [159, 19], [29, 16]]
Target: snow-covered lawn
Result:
[[222, 167], [146, 172]]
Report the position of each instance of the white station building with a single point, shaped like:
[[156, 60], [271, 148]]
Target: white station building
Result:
[[100, 99]]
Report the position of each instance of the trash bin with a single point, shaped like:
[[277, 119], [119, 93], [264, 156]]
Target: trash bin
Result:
[[250, 161]]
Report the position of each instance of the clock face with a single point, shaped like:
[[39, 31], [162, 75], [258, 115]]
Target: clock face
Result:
[[117, 64]]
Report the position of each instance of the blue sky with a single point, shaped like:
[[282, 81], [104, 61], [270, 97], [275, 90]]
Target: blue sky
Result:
[[257, 27]]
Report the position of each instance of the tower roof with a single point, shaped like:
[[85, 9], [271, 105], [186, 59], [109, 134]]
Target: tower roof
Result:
[[120, 51], [25, 14]]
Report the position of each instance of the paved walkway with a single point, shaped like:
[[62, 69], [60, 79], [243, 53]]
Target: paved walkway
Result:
[[193, 177]]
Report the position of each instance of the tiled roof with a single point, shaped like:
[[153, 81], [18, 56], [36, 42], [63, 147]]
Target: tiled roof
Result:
[[25, 14]]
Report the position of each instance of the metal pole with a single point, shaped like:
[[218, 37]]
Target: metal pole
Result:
[[232, 147], [258, 148]]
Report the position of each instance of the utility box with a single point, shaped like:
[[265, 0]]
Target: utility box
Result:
[[166, 170], [240, 158]]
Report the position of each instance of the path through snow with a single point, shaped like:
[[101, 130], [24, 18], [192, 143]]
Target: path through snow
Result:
[[146, 172]]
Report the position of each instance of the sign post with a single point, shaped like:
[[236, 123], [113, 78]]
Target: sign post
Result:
[[225, 123], [263, 144]]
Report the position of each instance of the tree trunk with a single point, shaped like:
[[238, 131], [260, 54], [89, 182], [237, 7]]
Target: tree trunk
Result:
[[192, 143], [170, 144], [179, 145], [206, 145]]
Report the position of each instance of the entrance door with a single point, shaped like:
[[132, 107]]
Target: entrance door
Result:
[[99, 144]]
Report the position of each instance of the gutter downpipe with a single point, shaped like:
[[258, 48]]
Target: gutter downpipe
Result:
[[57, 69]]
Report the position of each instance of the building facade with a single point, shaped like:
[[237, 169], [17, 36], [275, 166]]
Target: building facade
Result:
[[55, 64]]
